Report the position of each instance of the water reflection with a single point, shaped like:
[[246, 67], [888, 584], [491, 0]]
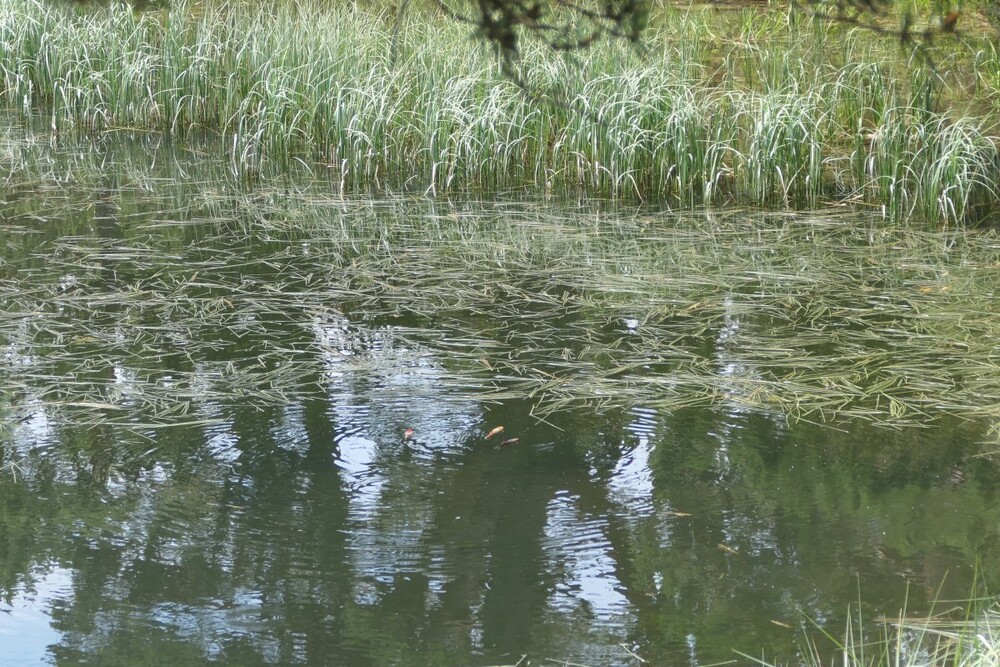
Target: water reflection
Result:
[[26, 633], [319, 530], [324, 532], [580, 559], [207, 458], [631, 482]]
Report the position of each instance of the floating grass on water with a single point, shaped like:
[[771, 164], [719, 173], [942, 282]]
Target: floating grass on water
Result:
[[182, 302]]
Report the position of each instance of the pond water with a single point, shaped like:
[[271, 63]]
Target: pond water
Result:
[[249, 423]]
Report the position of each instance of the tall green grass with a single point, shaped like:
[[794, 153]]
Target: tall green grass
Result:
[[752, 112]]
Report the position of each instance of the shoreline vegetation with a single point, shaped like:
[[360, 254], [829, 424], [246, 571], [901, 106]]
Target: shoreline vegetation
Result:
[[966, 636], [748, 107]]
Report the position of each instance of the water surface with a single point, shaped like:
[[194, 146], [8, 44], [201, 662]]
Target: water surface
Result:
[[726, 423]]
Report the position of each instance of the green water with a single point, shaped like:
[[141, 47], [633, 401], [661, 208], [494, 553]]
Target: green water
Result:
[[207, 386]]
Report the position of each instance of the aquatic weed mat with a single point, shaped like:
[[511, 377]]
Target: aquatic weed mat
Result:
[[161, 299]]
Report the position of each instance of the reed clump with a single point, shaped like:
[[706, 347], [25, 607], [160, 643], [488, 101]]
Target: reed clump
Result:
[[751, 110]]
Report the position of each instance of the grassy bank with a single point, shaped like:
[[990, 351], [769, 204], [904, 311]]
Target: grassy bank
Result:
[[739, 108]]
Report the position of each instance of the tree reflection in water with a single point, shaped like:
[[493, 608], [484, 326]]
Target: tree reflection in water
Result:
[[314, 529]]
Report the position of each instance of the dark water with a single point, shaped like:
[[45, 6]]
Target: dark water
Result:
[[313, 533], [205, 456]]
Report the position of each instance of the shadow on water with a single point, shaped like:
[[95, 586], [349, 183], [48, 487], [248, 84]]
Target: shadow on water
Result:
[[252, 427]]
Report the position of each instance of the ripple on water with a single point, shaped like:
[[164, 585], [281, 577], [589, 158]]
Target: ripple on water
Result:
[[579, 558], [631, 483], [35, 434], [26, 631], [222, 445], [385, 539]]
